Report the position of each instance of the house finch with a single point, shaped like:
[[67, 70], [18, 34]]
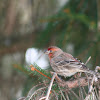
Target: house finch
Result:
[[65, 64]]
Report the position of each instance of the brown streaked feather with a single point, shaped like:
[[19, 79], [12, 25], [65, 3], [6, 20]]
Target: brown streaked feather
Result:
[[66, 62]]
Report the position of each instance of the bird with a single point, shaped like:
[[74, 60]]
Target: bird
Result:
[[65, 64]]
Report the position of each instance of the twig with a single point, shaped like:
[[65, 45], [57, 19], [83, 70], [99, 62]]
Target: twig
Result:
[[42, 98], [67, 96], [33, 68], [49, 88], [80, 88], [86, 73], [96, 93], [94, 79], [88, 60], [96, 70], [91, 93], [62, 93], [91, 85], [36, 92], [56, 95], [71, 91], [84, 91], [34, 88], [80, 92], [99, 92]]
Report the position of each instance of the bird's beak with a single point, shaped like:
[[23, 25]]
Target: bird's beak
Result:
[[47, 52]]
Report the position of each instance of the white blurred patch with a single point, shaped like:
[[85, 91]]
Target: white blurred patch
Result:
[[62, 2], [19, 93], [33, 55]]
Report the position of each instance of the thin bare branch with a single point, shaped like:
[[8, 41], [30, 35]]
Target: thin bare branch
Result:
[[49, 88], [62, 93], [88, 60]]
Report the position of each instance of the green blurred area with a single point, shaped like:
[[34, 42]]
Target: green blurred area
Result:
[[75, 23], [31, 23]]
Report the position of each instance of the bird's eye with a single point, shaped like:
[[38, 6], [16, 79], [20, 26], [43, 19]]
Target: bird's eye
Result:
[[50, 51]]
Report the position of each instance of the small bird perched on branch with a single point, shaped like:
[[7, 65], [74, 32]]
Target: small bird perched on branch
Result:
[[64, 63]]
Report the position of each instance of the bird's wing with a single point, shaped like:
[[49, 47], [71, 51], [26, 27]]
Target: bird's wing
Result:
[[68, 61]]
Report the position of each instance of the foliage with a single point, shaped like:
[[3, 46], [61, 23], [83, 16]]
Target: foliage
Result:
[[58, 92], [74, 23]]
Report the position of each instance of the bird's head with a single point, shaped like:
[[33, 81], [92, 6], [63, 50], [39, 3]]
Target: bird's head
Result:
[[53, 51]]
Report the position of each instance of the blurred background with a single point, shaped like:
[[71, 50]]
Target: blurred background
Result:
[[28, 27]]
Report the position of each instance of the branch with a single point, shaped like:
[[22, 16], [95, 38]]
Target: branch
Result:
[[33, 68], [94, 79], [75, 83], [49, 88], [88, 60]]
